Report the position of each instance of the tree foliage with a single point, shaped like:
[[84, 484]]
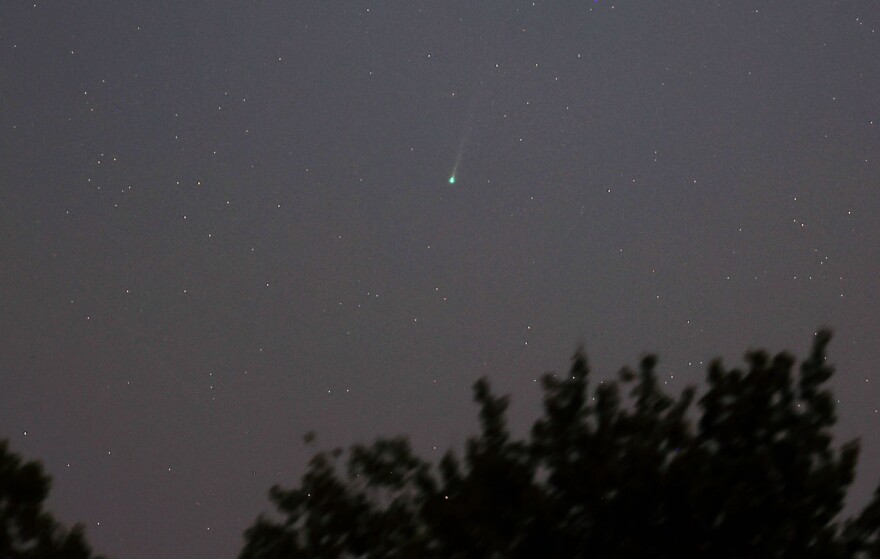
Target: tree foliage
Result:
[[630, 471], [27, 531]]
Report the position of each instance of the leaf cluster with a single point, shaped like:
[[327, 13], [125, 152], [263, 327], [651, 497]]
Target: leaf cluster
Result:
[[27, 531], [623, 471]]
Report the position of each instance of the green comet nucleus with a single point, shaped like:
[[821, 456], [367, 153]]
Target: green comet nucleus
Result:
[[452, 179]]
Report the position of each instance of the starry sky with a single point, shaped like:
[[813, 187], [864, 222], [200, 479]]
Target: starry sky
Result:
[[225, 224]]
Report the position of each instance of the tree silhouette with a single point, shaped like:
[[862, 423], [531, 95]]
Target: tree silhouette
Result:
[[26, 530], [750, 473]]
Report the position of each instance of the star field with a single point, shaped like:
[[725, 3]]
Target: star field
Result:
[[226, 224]]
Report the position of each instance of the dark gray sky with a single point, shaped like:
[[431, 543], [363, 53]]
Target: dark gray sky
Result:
[[224, 224]]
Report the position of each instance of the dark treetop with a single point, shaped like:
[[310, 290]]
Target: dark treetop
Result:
[[27, 531], [752, 473]]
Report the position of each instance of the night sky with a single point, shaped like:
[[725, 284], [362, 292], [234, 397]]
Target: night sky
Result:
[[225, 224]]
